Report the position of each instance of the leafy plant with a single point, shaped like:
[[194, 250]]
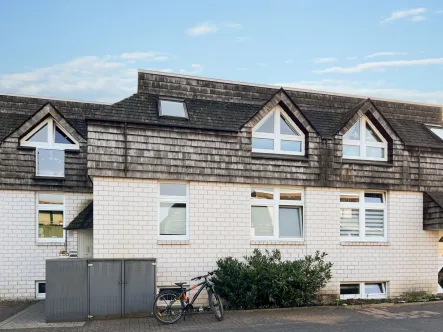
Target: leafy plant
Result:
[[263, 280]]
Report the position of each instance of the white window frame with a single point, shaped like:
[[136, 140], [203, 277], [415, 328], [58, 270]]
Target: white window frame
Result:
[[173, 199], [276, 203], [180, 101], [362, 294], [276, 136], [50, 144], [50, 207], [433, 129], [363, 144], [39, 296], [362, 206]]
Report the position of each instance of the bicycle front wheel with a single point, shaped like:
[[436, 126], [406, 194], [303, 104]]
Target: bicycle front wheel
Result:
[[168, 307], [216, 305]]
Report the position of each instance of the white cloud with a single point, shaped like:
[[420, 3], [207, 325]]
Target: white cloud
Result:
[[208, 27], [324, 60], [373, 55], [378, 89], [418, 18], [262, 64], [380, 66], [195, 69], [106, 78], [408, 13], [439, 11], [351, 58]]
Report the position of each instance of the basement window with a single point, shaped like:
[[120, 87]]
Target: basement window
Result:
[[437, 130], [363, 290], [172, 108], [40, 290]]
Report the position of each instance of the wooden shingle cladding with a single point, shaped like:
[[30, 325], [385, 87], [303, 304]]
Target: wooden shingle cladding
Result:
[[432, 211], [18, 115]]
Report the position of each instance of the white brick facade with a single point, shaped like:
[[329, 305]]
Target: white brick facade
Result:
[[126, 226], [22, 259]]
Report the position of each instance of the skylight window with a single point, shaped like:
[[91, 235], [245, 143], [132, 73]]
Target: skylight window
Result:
[[173, 108], [437, 130]]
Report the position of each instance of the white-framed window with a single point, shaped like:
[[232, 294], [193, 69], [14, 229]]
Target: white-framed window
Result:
[[173, 108], [50, 217], [437, 130], [277, 133], [276, 214], [364, 141], [50, 142], [363, 290], [40, 290], [173, 215], [363, 216]]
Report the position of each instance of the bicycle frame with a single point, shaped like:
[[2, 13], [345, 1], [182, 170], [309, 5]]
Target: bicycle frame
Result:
[[203, 285]]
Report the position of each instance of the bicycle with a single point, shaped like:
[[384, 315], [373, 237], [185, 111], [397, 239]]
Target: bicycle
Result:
[[169, 306]]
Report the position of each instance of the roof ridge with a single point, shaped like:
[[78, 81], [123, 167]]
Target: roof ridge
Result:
[[54, 98]]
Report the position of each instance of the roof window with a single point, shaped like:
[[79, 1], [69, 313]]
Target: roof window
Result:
[[437, 130], [172, 108]]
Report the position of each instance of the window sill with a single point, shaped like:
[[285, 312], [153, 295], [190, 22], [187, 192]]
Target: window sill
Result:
[[50, 243], [278, 156], [42, 177], [367, 162], [364, 243], [173, 242], [277, 242]]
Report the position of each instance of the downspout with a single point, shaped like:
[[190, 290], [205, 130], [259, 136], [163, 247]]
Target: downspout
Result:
[[419, 169], [126, 148], [66, 241]]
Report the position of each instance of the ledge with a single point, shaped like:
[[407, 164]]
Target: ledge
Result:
[[278, 156], [49, 243], [367, 162], [277, 242], [364, 243], [173, 242], [57, 178]]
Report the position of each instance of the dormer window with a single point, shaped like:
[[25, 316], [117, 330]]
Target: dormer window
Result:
[[50, 142], [364, 141], [277, 133], [172, 108], [436, 129]]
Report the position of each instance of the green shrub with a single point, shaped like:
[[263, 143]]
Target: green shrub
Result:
[[263, 280]]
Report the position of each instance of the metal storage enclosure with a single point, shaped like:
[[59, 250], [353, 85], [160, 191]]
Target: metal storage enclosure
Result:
[[78, 289]]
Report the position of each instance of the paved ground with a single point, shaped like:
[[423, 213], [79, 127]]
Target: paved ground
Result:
[[427, 317], [10, 308]]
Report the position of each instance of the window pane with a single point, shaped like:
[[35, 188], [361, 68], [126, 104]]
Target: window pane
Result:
[[41, 287], [61, 137], [51, 162], [267, 126], [262, 143], [290, 222], [371, 136], [262, 221], [351, 150], [173, 108], [374, 223], [374, 288], [50, 224], [293, 146], [437, 131], [350, 198], [262, 193], [172, 218], [349, 289], [172, 189], [50, 199], [374, 198], [41, 135], [286, 127], [290, 195], [375, 152], [354, 132], [349, 222]]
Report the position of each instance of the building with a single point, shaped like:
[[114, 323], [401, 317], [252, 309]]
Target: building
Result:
[[188, 170]]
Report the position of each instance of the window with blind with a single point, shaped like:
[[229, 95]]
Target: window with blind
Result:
[[363, 216]]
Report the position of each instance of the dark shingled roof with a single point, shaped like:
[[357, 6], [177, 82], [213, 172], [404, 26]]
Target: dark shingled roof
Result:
[[84, 220], [437, 197]]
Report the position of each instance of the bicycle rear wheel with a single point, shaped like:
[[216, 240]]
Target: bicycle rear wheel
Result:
[[216, 305], [168, 307]]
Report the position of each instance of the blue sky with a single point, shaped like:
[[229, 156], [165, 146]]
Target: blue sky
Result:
[[91, 50]]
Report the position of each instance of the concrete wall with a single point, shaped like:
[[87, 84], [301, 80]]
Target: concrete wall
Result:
[[125, 225], [22, 258]]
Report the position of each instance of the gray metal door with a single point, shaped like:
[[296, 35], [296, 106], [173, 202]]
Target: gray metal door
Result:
[[139, 286], [105, 288]]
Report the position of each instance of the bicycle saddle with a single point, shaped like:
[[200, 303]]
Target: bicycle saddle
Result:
[[180, 284]]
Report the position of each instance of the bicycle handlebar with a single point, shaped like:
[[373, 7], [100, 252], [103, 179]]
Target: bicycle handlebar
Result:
[[200, 277]]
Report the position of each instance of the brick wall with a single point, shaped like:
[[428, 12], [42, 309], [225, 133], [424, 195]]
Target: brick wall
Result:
[[22, 259], [125, 225]]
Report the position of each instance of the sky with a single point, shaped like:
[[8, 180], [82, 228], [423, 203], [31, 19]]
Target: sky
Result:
[[91, 50]]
